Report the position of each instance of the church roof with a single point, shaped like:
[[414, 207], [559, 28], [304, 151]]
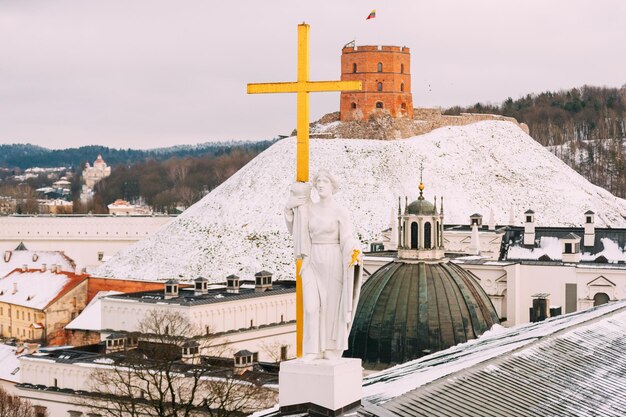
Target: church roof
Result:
[[568, 365], [421, 206], [408, 310]]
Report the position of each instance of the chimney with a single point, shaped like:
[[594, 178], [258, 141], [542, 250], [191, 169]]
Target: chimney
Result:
[[492, 219], [529, 228], [14, 288], [475, 241], [7, 255], [24, 268], [44, 267], [262, 281], [476, 219], [541, 307], [171, 289], [590, 229], [232, 284], [201, 286]]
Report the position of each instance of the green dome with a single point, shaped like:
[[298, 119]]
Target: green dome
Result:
[[421, 206], [408, 310]]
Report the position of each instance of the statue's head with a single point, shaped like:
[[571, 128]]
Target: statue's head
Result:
[[324, 177]]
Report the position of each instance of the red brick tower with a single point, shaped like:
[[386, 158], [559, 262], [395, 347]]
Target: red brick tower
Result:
[[386, 75]]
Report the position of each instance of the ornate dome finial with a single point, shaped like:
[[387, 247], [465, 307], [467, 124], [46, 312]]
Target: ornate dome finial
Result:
[[421, 186]]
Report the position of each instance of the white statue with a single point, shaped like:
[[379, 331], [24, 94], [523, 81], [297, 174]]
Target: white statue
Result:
[[331, 271]]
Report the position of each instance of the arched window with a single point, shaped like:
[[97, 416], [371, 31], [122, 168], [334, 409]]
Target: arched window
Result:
[[427, 237], [380, 86], [403, 106], [438, 239], [401, 86], [353, 105], [600, 298], [414, 231], [380, 67], [401, 68], [354, 68], [379, 104]]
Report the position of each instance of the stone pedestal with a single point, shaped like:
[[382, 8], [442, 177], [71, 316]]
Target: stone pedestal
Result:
[[328, 387]]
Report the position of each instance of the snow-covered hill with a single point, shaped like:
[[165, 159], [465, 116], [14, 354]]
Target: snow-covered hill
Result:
[[238, 227]]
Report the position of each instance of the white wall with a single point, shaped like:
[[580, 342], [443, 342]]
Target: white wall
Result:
[[81, 237]]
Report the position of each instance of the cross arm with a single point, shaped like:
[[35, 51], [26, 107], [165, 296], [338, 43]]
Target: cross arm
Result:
[[303, 87]]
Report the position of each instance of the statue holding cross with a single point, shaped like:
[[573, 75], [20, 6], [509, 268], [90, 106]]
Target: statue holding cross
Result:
[[302, 87]]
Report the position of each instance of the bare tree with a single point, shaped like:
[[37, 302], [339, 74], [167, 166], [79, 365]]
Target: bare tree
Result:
[[14, 406], [166, 376]]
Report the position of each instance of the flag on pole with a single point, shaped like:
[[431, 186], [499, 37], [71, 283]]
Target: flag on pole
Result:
[[371, 15]]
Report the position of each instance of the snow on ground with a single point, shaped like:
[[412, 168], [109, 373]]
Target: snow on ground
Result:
[[91, 317], [239, 228], [34, 260]]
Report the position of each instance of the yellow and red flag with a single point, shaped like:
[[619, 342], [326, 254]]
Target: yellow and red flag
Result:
[[371, 15]]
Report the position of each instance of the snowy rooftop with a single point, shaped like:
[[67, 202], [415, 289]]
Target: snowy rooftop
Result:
[[91, 317], [239, 227], [34, 260], [568, 365], [9, 363], [34, 288]]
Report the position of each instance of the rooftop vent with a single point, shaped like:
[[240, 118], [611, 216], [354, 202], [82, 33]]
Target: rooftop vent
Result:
[[171, 289], [244, 361], [232, 284], [201, 285]]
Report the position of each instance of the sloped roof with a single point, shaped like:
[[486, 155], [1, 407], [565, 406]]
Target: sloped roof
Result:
[[569, 365], [36, 288], [91, 317], [9, 363], [34, 259]]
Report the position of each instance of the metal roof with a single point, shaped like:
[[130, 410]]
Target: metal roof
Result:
[[571, 365]]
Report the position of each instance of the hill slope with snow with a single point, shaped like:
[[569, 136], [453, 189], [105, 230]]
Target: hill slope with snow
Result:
[[239, 228]]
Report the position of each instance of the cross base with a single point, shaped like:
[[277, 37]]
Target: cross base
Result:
[[321, 387]]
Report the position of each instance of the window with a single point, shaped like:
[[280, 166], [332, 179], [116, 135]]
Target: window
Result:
[[529, 219], [353, 105], [401, 86], [354, 68], [600, 298], [414, 231], [379, 104], [380, 86], [380, 67], [401, 68], [100, 256], [427, 235], [403, 106], [568, 248], [56, 382], [588, 219], [283, 353]]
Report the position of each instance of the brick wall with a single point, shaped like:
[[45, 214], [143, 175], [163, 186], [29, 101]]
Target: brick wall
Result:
[[127, 286], [394, 75]]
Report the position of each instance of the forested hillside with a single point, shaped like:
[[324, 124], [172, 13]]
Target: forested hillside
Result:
[[585, 127], [24, 156]]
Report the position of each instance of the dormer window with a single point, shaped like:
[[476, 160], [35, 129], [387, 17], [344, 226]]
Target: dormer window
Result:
[[568, 248]]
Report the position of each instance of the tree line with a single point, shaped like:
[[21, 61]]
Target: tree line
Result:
[[585, 127], [166, 185]]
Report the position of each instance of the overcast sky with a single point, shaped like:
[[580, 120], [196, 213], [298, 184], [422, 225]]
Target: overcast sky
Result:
[[148, 73]]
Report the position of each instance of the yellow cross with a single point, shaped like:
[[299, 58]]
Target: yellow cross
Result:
[[302, 87]]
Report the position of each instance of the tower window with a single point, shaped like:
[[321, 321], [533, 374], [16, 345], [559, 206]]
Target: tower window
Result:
[[427, 235], [414, 232], [380, 86], [380, 67], [379, 104], [403, 106], [401, 86], [353, 105], [354, 68], [401, 68]]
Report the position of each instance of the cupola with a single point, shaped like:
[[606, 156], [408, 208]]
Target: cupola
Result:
[[420, 228], [571, 248], [476, 219], [232, 284], [262, 281], [190, 352], [171, 289], [201, 285]]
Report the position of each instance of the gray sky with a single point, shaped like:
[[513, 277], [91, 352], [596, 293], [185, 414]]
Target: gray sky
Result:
[[152, 73]]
